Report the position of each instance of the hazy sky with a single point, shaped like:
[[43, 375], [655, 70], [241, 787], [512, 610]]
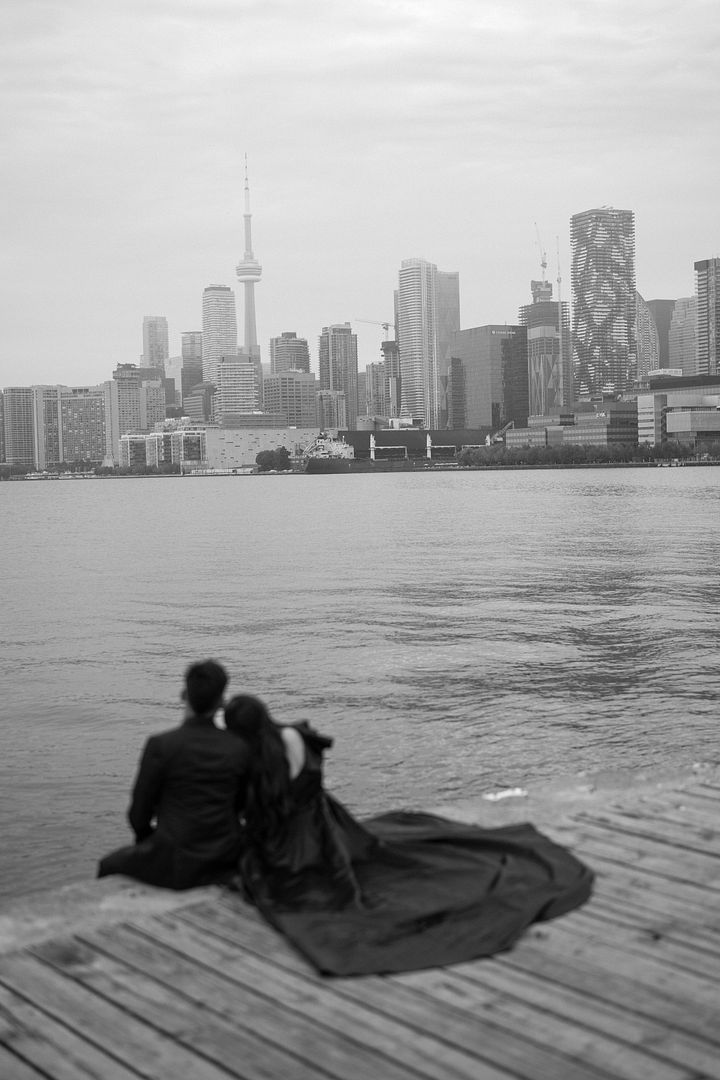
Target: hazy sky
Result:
[[375, 131]]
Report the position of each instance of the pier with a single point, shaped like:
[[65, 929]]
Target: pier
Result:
[[117, 981]]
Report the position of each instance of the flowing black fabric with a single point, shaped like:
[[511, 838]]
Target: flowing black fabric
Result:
[[402, 891]]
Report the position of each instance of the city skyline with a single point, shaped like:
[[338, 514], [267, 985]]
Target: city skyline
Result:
[[373, 135]]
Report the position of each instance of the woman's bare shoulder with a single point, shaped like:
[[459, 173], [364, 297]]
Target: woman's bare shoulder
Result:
[[294, 748]]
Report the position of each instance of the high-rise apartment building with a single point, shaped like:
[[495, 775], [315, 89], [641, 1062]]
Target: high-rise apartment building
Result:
[[133, 403], [155, 341], [19, 425], [332, 411], [648, 339], [293, 394], [219, 332], [338, 362], [549, 351], [288, 352], [682, 337], [708, 316], [662, 313], [428, 314], [2, 428], [604, 300], [238, 388]]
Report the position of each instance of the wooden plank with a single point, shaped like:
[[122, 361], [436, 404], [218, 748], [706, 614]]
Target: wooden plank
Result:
[[605, 930], [648, 925], [582, 1044], [641, 853], [153, 1055], [14, 1068], [52, 1047], [309, 995], [238, 1047], [250, 1004], [611, 871], [458, 1024], [643, 1032], [674, 836], [582, 972]]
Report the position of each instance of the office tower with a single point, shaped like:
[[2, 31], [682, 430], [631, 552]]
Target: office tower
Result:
[[219, 332], [708, 316], [428, 314], [293, 394], [332, 411], [198, 403], [339, 367], [682, 337], [604, 307], [648, 340], [662, 313], [514, 359], [289, 352], [249, 272], [549, 351], [478, 373], [455, 394], [393, 383], [19, 402], [155, 341], [238, 388]]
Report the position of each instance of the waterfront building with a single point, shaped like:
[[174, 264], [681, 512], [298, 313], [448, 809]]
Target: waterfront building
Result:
[[288, 352], [662, 313], [428, 315], [338, 363], [19, 403], [604, 300], [237, 447], [184, 446], [682, 408], [332, 410], [708, 316], [549, 351], [219, 328], [606, 423], [293, 394], [155, 341], [82, 423], [682, 336], [475, 375], [648, 340]]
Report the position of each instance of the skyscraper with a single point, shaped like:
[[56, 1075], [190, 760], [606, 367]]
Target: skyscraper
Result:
[[708, 316], [338, 363], [219, 328], [428, 314], [289, 352], [549, 351], [604, 304], [478, 375], [155, 341], [648, 339], [682, 337], [292, 393], [249, 272], [662, 313]]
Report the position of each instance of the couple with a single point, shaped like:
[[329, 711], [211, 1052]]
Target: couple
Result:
[[246, 807]]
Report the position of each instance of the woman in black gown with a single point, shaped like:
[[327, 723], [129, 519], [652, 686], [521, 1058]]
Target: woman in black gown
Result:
[[395, 892]]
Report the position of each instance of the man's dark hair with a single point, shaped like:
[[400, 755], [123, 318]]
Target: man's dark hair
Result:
[[205, 684]]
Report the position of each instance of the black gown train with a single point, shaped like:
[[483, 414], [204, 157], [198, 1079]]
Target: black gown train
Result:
[[402, 890]]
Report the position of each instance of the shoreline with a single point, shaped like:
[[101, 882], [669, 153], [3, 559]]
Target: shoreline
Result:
[[551, 805]]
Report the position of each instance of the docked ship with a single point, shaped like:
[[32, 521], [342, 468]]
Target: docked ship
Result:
[[328, 454]]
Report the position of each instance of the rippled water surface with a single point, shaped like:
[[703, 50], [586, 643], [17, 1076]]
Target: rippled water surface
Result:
[[453, 631]]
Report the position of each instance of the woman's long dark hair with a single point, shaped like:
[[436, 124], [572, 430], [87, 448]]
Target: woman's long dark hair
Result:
[[268, 804]]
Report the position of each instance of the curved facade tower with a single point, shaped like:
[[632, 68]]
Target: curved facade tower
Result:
[[249, 272]]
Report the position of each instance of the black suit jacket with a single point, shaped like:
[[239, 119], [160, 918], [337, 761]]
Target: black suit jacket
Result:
[[189, 790]]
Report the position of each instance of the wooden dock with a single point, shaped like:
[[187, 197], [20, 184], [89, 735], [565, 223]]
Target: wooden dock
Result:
[[128, 982]]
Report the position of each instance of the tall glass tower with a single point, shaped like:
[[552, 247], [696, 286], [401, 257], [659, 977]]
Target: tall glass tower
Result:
[[604, 300], [219, 329]]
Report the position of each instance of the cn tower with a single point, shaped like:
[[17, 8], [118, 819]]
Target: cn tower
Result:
[[249, 271]]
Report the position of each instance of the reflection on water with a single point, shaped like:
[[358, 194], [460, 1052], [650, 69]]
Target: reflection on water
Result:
[[454, 632]]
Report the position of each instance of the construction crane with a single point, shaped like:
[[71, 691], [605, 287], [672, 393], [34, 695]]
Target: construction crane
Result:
[[385, 325], [543, 252]]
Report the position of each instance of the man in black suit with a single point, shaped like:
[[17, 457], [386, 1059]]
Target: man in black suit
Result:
[[188, 794]]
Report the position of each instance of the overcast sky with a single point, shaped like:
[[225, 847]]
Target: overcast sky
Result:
[[375, 131]]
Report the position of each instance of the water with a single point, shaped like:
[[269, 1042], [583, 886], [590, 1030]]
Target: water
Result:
[[455, 632]]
